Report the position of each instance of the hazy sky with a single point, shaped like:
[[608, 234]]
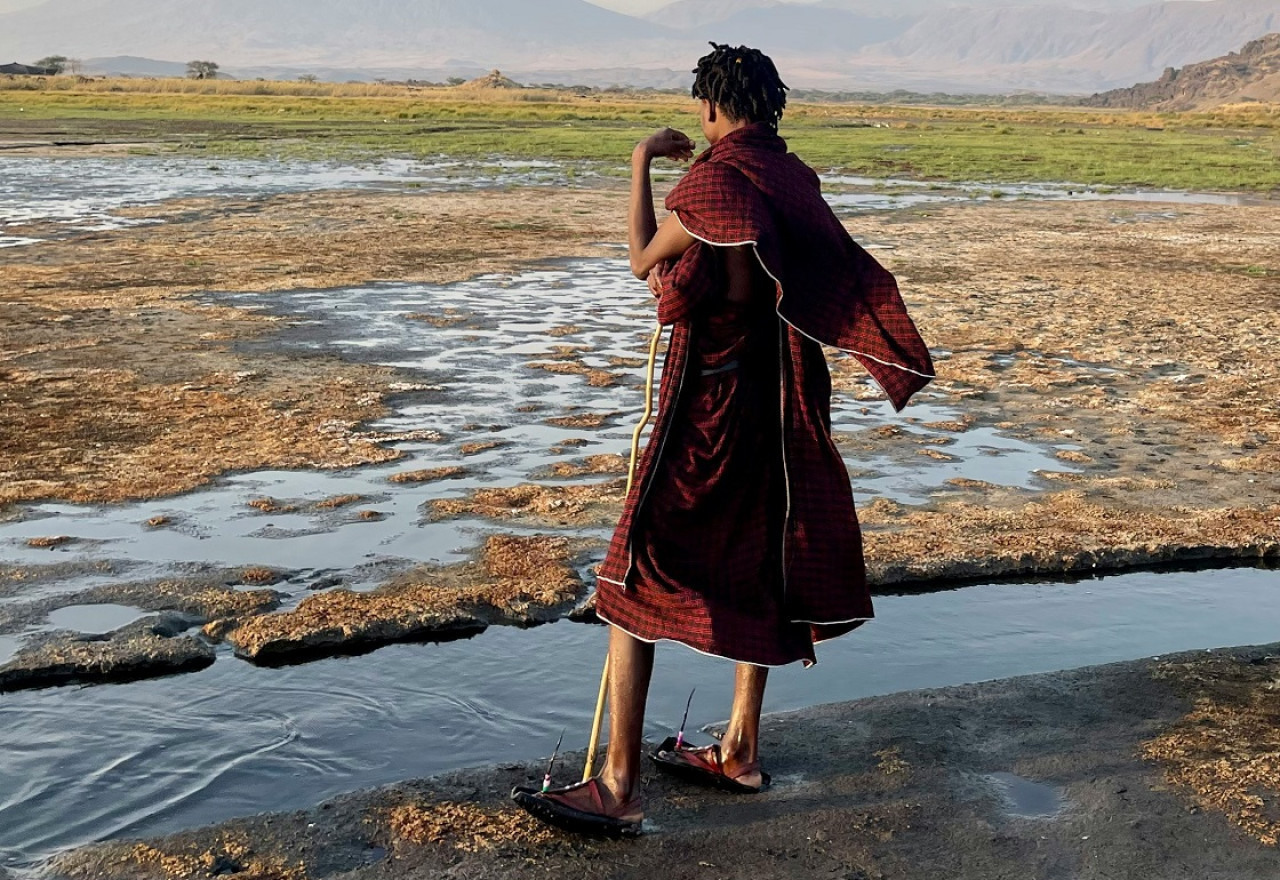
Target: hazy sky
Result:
[[634, 7]]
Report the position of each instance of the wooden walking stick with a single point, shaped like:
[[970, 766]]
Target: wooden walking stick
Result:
[[589, 769]]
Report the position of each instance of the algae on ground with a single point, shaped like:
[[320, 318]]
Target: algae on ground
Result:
[[1225, 753]]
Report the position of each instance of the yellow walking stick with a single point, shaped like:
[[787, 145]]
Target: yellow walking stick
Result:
[[590, 769]]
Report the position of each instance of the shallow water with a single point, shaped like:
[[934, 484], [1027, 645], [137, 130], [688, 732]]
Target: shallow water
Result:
[[9, 646], [155, 756], [95, 619], [978, 453], [474, 384], [1025, 799], [86, 194]]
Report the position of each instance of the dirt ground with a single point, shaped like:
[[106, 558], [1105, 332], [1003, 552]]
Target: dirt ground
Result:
[[1107, 772]]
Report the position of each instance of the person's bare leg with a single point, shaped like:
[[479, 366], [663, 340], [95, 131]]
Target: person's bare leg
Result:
[[630, 667], [618, 784], [741, 744]]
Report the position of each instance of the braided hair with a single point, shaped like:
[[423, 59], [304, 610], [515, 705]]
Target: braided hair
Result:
[[742, 82]]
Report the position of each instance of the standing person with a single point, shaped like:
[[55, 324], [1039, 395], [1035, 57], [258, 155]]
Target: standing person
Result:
[[739, 537]]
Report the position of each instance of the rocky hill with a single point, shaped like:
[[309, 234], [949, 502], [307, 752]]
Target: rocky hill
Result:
[[965, 45], [1252, 74], [491, 80]]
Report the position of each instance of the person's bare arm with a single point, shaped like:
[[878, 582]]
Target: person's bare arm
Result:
[[649, 244]]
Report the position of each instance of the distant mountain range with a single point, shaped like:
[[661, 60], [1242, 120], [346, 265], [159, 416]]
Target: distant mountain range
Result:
[[1040, 45], [1252, 74], [320, 31], [697, 13], [1056, 47]]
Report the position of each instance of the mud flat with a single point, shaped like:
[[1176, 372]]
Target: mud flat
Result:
[[112, 633], [1167, 410], [518, 581], [1156, 768], [1092, 411], [84, 314]]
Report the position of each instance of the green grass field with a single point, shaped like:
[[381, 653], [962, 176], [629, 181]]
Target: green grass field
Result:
[[1234, 148]]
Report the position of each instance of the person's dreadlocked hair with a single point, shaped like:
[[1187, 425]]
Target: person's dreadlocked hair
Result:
[[742, 82]]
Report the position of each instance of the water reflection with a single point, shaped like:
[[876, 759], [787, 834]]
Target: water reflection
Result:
[[152, 757]]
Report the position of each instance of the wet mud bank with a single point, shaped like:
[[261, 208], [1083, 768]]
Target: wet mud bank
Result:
[[518, 581], [110, 633], [1089, 415], [140, 650], [103, 414], [1106, 771], [113, 633]]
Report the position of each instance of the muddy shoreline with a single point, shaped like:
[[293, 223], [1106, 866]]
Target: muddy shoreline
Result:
[[127, 378], [83, 314], [1104, 771]]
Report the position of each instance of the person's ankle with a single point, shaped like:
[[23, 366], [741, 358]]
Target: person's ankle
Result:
[[624, 790], [735, 758]]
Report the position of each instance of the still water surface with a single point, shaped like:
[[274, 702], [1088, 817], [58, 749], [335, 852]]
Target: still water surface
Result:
[[157, 756]]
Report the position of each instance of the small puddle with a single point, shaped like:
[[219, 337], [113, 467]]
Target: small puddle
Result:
[[1025, 799], [95, 619], [906, 473], [9, 647]]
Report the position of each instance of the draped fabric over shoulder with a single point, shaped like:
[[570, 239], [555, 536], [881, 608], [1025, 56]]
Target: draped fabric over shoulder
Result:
[[739, 537]]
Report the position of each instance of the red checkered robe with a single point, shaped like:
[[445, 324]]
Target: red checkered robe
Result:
[[739, 537]]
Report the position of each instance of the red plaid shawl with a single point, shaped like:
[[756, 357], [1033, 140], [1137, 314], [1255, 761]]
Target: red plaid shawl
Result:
[[747, 189]]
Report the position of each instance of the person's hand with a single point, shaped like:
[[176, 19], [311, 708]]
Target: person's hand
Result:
[[667, 144], [655, 284]]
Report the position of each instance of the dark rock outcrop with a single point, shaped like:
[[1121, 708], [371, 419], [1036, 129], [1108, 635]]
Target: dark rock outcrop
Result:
[[1252, 74]]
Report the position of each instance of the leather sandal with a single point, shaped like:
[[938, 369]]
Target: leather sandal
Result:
[[704, 766], [558, 807]]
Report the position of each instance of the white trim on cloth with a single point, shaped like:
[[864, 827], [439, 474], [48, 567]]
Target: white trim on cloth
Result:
[[755, 249], [834, 622], [806, 663]]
